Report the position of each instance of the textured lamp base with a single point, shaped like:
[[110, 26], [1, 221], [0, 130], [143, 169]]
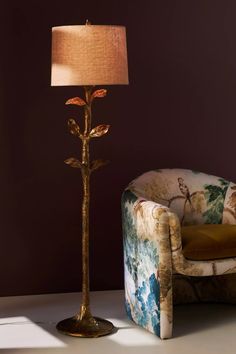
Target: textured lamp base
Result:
[[88, 327]]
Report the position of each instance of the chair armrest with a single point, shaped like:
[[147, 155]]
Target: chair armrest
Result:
[[179, 263], [147, 263]]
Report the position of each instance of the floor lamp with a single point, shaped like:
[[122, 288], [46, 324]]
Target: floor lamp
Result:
[[87, 55]]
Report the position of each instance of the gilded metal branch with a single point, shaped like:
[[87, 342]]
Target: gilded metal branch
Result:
[[84, 324], [85, 171]]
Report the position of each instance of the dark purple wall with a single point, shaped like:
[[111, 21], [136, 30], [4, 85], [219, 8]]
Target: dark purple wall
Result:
[[178, 111]]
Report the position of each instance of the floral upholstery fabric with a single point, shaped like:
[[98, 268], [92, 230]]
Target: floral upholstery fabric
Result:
[[197, 198], [154, 207], [148, 267]]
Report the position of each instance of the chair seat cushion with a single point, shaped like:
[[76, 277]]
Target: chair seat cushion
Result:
[[208, 242]]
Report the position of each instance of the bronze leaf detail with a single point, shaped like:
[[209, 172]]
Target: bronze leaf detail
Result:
[[99, 93], [73, 162], [77, 101], [74, 127], [99, 131], [98, 163]]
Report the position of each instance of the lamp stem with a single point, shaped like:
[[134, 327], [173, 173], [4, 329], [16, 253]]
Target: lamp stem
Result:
[[85, 171], [83, 324]]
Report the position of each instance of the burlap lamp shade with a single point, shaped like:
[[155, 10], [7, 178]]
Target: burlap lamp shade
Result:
[[89, 55]]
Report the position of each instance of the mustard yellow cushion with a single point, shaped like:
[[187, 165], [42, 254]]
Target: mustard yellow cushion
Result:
[[208, 242]]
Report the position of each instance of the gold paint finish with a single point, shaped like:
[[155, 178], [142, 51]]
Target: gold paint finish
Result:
[[84, 324], [91, 327]]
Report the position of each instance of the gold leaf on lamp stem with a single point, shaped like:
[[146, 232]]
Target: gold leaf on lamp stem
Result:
[[74, 127], [99, 93], [98, 163], [73, 162], [77, 101], [99, 131]]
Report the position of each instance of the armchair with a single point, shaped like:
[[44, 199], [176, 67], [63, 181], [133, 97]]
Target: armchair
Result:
[[179, 234]]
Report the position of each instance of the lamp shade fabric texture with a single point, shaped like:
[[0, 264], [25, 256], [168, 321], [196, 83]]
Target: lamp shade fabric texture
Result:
[[89, 55], [179, 229]]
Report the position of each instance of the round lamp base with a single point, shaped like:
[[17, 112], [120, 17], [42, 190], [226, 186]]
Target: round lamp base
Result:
[[88, 328]]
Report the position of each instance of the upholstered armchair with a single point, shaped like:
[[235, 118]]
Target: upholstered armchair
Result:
[[179, 244]]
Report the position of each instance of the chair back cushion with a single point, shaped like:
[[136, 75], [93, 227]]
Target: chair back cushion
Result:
[[197, 198]]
